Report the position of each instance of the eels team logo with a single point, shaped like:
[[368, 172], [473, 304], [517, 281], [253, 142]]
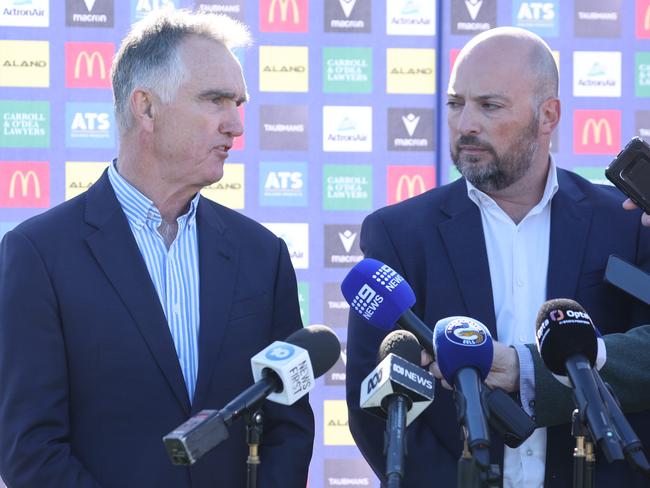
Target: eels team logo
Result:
[[556, 315], [466, 332]]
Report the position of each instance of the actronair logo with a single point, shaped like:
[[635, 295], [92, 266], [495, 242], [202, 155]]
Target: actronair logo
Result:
[[347, 16], [347, 129], [596, 131], [296, 236], [408, 18], [597, 73], [284, 15], [25, 13]]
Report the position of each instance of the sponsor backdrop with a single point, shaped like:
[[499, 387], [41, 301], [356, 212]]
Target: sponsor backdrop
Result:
[[346, 115]]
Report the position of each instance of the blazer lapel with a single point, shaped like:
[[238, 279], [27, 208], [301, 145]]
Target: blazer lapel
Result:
[[570, 223], [117, 253], [463, 237], [218, 258]]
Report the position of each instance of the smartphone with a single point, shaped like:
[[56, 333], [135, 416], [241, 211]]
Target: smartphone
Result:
[[630, 172], [628, 278]]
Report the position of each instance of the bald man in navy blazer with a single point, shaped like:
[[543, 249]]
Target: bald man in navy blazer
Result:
[[128, 309]]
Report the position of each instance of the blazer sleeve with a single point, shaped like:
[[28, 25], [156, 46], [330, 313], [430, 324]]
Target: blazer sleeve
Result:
[[34, 421], [626, 368], [426, 459], [288, 436]]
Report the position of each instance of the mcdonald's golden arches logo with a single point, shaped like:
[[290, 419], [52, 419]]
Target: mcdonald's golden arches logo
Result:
[[408, 181], [596, 131], [642, 14], [284, 15], [24, 184], [87, 64]]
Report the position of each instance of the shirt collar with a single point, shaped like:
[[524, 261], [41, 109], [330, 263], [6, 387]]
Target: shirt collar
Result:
[[483, 200], [137, 207]]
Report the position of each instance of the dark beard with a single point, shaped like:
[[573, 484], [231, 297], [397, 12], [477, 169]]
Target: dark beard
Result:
[[500, 171]]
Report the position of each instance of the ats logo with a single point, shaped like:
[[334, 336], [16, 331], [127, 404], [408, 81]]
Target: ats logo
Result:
[[25, 13], [88, 64], [539, 17], [284, 15], [409, 18], [89, 125], [408, 181], [643, 19], [229, 190], [284, 68], [335, 424], [596, 131], [79, 176], [411, 70], [24, 184], [140, 8], [25, 63], [283, 185]]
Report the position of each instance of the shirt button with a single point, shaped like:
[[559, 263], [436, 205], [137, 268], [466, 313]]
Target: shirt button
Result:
[[529, 452], [522, 339], [520, 282]]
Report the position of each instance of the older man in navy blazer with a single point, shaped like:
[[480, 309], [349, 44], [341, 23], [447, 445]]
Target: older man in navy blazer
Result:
[[128, 309]]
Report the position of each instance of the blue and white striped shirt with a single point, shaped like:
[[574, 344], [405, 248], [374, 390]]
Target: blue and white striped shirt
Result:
[[174, 271]]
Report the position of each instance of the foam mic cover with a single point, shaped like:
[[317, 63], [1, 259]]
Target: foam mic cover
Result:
[[563, 330], [377, 292], [321, 343], [401, 343], [462, 342]]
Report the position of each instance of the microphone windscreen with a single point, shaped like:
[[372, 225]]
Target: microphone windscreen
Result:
[[322, 345], [462, 342], [401, 343], [377, 292], [563, 330]]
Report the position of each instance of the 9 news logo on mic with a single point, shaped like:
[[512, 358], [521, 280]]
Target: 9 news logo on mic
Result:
[[465, 332]]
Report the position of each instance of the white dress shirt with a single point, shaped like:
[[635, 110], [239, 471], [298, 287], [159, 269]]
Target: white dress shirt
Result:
[[518, 260]]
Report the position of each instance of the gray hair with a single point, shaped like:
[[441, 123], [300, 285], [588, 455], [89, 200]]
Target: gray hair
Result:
[[149, 56]]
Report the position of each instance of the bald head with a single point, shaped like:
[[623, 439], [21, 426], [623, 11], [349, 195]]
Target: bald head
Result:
[[517, 50]]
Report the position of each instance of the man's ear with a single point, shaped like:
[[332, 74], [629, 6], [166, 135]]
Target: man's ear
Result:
[[549, 115], [141, 104]]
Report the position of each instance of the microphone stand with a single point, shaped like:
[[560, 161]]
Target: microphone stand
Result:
[[254, 429], [584, 456], [395, 441], [472, 474]]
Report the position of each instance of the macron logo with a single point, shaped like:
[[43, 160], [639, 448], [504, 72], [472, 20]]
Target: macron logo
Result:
[[347, 6], [347, 239], [411, 123], [473, 7], [89, 4]]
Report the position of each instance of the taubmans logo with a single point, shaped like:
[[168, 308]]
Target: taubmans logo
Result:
[[375, 380], [466, 332], [280, 352]]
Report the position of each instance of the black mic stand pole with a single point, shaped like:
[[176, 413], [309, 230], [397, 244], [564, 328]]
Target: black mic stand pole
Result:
[[254, 429], [395, 440], [471, 474], [584, 457]]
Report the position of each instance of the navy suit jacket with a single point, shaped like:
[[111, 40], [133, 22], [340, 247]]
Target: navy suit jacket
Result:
[[436, 242], [89, 377]]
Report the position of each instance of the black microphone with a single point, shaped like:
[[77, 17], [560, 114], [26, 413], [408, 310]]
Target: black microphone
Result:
[[382, 297], [285, 372], [568, 344], [398, 390]]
